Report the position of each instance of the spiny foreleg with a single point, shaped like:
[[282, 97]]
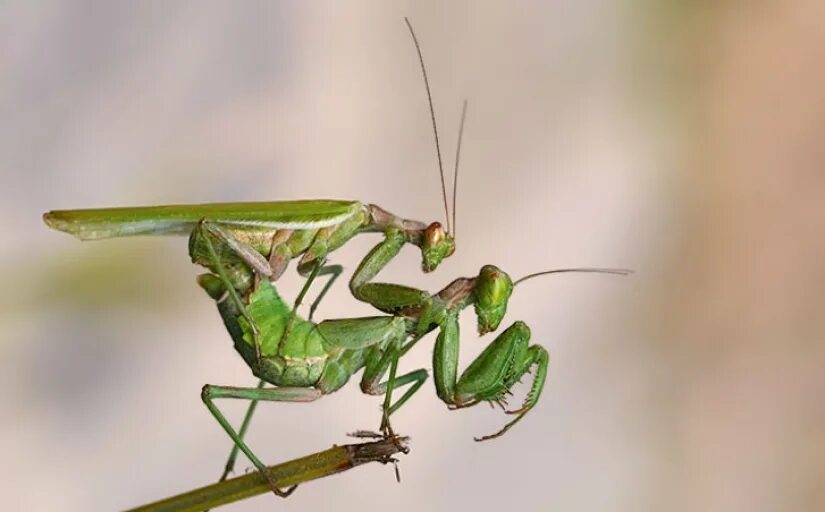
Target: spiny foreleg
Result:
[[492, 374]]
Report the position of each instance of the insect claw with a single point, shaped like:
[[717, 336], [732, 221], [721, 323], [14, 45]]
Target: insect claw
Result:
[[227, 470], [283, 494], [517, 411], [277, 490]]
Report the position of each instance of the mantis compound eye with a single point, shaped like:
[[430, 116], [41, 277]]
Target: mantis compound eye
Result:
[[436, 245], [492, 292], [434, 234]]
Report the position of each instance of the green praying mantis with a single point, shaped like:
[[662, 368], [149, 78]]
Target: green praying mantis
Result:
[[320, 358], [246, 247], [304, 360]]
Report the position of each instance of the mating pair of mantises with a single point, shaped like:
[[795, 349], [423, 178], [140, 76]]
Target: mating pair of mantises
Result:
[[247, 246]]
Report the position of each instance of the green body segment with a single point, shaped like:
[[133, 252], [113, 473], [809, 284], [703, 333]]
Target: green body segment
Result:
[[98, 223], [297, 361], [323, 356]]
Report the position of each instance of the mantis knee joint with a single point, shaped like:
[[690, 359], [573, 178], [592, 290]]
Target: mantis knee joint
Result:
[[206, 392]]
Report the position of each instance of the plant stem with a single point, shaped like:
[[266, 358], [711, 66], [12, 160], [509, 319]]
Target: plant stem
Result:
[[304, 469]]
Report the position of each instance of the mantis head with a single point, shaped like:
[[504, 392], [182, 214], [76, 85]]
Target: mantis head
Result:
[[436, 245], [493, 288]]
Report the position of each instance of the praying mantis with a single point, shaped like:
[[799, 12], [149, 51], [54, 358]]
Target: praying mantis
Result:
[[246, 247], [318, 359]]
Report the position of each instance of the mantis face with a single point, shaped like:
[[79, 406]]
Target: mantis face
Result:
[[436, 245], [492, 291]]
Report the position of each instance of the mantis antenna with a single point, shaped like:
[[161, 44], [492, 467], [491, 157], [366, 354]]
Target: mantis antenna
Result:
[[616, 271], [457, 155], [432, 117]]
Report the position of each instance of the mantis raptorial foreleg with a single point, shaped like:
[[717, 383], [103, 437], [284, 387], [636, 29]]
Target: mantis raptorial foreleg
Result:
[[491, 375], [205, 229], [385, 296]]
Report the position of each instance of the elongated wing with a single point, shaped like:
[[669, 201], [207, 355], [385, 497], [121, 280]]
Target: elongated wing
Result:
[[97, 223]]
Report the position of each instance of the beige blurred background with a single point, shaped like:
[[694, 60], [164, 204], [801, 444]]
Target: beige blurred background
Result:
[[682, 139]]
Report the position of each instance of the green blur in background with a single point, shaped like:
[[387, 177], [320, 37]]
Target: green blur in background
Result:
[[681, 139]]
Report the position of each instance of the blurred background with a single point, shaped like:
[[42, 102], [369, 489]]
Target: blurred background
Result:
[[681, 139]]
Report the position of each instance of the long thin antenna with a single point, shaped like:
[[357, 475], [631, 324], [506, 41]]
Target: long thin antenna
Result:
[[617, 271], [432, 117], [457, 156]]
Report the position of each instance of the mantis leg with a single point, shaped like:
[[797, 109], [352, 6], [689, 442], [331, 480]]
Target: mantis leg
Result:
[[491, 375], [385, 296], [375, 260], [318, 269], [312, 275], [376, 369], [247, 419], [203, 229], [283, 394], [246, 253], [333, 271], [373, 343]]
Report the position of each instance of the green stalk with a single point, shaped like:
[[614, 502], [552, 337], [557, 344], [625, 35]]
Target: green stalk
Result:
[[297, 471]]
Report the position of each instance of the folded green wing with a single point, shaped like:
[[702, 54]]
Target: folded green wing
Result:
[[94, 224]]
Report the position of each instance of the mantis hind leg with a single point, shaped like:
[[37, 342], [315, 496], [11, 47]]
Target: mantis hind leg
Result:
[[247, 419], [284, 394]]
